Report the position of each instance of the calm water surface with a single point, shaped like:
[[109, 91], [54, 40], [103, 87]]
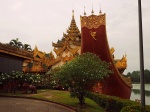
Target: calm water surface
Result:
[[136, 93]]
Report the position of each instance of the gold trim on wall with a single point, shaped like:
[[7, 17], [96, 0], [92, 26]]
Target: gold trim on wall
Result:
[[92, 21]]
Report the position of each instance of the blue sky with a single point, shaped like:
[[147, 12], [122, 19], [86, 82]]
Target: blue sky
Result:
[[39, 22]]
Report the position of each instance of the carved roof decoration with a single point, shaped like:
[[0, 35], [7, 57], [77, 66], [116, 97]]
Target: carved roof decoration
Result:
[[121, 64], [66, 47], [67, 58], [93, 21], [41, 61], [38, 53]]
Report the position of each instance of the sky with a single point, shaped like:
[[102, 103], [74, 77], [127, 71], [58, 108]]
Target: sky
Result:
[[41, 22]]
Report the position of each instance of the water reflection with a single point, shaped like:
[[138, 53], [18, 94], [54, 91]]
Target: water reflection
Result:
[[137, 91]]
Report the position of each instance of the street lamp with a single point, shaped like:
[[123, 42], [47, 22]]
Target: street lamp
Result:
[[141, 55]]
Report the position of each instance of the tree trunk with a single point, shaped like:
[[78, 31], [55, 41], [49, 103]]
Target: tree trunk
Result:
[[81, 98]]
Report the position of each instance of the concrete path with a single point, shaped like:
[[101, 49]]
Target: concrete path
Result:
[[29, 105]]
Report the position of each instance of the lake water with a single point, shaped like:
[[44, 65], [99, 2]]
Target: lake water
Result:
[[136, 93]]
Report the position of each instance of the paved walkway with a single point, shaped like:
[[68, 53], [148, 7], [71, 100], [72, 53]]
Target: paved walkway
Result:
[[29, 105]]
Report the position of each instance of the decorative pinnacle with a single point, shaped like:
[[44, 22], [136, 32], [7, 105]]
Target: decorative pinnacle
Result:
[[92, 10], [84, 11], [100, 12], [72, 13]]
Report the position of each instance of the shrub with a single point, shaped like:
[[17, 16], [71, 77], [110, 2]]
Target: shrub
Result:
[[136, 108], [111, 103]]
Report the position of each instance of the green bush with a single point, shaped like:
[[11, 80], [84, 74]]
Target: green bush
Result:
[[136, 108], [111, 103], [39, 80]]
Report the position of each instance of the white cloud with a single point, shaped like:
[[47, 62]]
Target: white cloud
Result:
[[17, 6]]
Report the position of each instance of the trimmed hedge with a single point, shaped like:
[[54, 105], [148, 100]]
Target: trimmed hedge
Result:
[[116, 104], [135, 108]]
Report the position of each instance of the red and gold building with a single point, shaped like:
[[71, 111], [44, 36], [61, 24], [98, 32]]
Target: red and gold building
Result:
[[94, 39], [70, 46]]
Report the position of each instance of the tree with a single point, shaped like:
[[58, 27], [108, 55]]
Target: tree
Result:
[[82, 73], [16, 43], [135, 76], [147, 76], [27, 47]]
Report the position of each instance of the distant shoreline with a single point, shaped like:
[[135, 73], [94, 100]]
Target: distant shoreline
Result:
[[138, 83]]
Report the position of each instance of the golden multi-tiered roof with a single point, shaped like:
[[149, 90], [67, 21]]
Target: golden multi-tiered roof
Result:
[[72, 35], [69, 46], [40, 62]]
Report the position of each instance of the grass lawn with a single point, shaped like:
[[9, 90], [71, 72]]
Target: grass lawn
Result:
[[64, 98]]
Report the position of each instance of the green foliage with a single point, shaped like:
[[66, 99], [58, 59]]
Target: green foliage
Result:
[[84, 69], [135, 76], [147, 76], [21, 77], [16, 43], [82, 73], [113, 104], [136, 108], [27, 47]]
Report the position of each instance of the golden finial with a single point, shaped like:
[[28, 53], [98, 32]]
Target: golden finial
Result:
[[92, 10], [35, 47], [125, 54], [72, 13], [84, 11]]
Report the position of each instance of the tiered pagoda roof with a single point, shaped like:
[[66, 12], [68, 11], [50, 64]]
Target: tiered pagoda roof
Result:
[[72, 37], [68, 47]]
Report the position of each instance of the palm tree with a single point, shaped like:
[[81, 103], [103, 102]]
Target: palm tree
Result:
[[27, 47], [16, 43]]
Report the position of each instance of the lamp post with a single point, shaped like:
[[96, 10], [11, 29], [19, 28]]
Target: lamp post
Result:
[[141, 55]]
